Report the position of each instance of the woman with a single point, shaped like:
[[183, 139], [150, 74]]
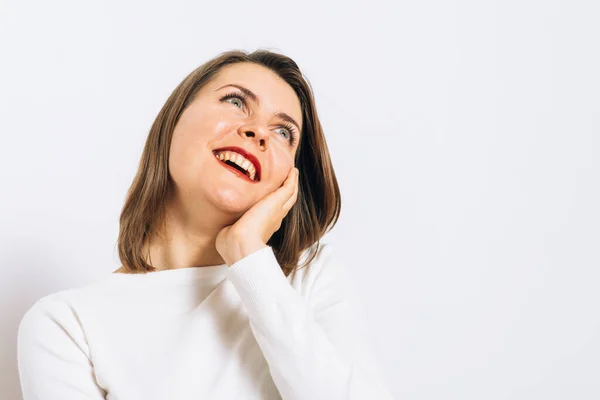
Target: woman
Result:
[[225, 291]]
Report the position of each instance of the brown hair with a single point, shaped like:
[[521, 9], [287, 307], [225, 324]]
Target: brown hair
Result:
[[316, 210]]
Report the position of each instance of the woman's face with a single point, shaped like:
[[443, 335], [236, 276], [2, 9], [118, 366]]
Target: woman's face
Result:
[[221, 116]]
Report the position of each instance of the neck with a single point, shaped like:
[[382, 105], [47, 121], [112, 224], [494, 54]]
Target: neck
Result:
[[187, 242]]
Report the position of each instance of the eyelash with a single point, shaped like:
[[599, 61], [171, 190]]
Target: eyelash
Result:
[[243, 97]]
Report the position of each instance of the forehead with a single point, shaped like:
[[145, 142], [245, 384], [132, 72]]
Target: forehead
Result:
[[275, 94]]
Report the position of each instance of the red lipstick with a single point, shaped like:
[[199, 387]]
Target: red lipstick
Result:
[[249, 156]]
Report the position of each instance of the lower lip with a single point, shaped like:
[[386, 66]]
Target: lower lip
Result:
[[235, 171]]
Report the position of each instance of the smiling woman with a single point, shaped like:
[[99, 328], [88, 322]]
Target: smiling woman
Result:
[[225, 290], [259, 103]]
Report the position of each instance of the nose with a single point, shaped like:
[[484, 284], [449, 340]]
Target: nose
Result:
[[257, 133]]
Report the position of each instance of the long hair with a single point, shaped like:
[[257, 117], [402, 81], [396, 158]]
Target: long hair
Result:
[[317, 207]]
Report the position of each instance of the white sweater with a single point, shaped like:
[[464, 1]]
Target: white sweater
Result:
[[216, 332]]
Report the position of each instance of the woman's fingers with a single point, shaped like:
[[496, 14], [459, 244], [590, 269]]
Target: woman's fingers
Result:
[[293, 193]]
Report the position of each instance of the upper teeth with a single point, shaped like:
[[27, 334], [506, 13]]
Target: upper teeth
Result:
[[239, 160]]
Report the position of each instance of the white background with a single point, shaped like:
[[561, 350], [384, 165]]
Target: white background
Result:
[[463, 135]]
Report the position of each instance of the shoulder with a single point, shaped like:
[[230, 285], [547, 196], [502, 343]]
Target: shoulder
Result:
[[59, 312], [51, 310], [49, 327]]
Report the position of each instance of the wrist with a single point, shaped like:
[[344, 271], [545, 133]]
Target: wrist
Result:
[[242, 249]]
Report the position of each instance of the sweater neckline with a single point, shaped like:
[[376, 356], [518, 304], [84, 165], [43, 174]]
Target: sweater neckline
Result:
[[208, 272]]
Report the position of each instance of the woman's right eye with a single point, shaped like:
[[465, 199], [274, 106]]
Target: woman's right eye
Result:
[[237, 100]]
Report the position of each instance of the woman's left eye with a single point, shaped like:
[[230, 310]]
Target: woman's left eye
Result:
[[289, 133]]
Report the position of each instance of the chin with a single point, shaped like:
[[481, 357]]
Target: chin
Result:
[[231, 201]]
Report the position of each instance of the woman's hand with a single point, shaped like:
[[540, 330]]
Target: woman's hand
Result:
[[254, 229]]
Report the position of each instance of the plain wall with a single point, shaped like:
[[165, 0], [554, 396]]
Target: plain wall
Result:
[[463, 135]]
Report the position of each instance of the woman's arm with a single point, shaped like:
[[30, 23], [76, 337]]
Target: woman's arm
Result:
[[53, 356], [316, 348]]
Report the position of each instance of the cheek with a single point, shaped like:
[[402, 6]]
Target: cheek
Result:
[[283, 163], [188, 151], [201, 124], [194, 134], [179, 157]]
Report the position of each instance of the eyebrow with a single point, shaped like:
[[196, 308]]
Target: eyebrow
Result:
[[255, 99]]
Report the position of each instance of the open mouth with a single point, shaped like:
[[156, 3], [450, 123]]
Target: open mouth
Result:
[[234, 165], [236, 169], [240, 161]]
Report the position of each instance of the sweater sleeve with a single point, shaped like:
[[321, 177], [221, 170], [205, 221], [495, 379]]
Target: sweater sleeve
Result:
[[317, 347], [53, 356]]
